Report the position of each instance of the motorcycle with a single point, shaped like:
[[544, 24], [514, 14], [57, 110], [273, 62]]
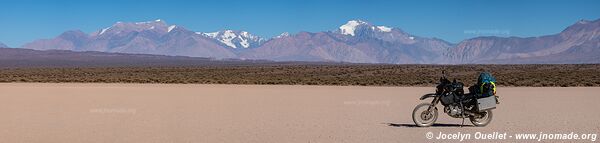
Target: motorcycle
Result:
[[456, 104]]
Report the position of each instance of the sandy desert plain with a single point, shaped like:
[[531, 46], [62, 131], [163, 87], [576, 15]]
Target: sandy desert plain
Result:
[[293, 71], [117, 112]]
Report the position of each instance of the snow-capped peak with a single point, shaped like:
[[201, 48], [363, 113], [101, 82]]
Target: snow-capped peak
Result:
[[350, 26], [235, 39], [171, 28], [136, 26], [211, 35], [103, 30], [227, 37], [384, 29], [284, 34]]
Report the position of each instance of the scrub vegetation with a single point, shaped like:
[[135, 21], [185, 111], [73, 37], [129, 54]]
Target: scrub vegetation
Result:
[[361, 75]]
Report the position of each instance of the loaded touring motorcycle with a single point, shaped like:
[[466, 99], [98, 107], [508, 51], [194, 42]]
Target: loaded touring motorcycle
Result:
[[477, 105]]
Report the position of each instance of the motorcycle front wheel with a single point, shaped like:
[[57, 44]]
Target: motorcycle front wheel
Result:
[[483, 120], [423, 117]]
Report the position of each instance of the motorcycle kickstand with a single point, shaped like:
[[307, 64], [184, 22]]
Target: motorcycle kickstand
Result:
[[463, 122], [463, 114]]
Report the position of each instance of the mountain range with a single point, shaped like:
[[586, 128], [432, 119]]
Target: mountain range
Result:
[[356, 41]]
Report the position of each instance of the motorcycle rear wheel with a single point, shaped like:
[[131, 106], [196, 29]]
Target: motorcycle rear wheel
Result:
[[482, 121], [422, 117]]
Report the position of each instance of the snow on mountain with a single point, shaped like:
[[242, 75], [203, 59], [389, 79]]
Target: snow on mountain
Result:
[[156, 25], [359, 30], [352, 27], [227, 37], [103, 30], [384, 29], [211, 34], [284, 34], [170, 28], [235, 39]]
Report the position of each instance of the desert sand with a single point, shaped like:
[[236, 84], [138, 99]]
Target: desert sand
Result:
[[145, 113]]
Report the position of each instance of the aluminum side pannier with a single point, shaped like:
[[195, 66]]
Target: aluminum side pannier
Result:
[[486, 103]]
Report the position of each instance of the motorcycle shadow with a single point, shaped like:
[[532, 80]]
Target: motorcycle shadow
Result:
[[434, 125]]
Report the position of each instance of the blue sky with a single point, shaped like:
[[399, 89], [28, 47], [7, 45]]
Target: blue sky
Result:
[[23, 21]]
